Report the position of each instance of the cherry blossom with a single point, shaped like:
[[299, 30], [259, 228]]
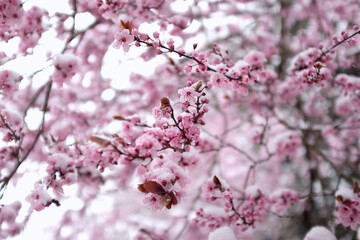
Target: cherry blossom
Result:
[[65, 67], [240, 120], [123, 39], [9, 82]]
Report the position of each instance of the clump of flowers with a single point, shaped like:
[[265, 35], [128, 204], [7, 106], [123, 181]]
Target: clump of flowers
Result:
[[348, 206]]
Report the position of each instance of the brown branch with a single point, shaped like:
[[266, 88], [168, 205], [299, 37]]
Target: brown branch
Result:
[[13, 133], [75, 34], [4, 182], [34, 98], [208, 68], [188, 141], [337, 44]]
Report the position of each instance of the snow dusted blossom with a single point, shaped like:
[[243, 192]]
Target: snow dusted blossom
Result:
[[240, 88], [283, 199], [348, 207], [280, 129], [31, 28], [110, 9], [156, 35], [11, 11], [188, 94], [163, 182], [345, 106], [123, 39], [39, 198], [218, 80], [187, 69], [9, 82], [147, 145], [8, 224], [8, 155], [350, 84], [319, 233], [221, 68], [61, 171], [10, 17], [254, 208], [287, 145], [170, 43], [213, 189], [66, 66], [255, 58], [12, 118], [310, 66], [254, 204], [99, 157]]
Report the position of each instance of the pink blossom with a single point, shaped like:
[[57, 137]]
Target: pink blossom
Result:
[[166, 156], [188, 94], [123, 39], [187, 69], [156, 35], [12, 117], [218, 80], [66, 66], [170, 43], [31, 28], [147, 144], [8, 215], [283, 199], [39, 198], [255, 58], [9, 82]]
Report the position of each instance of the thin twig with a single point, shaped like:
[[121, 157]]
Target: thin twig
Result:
[[337, 44], [4, 182]]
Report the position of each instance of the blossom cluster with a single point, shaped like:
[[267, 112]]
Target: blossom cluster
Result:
[[245, 210], [15, 22], [162, 149], [245, 128], [12, 13], [65, 68], [232, 75], [347, 207], [9, 82], [8, 224]]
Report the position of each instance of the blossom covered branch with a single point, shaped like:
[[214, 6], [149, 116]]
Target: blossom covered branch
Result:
[[248, 129]]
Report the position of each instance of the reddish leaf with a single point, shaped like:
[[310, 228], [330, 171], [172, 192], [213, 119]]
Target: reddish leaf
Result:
[[153, 187], [339, 198], [165, 102], [217, 182], [356, 187], [171, 61], [141, 188], [126, 25], [198, 86], [100, 141], [166, 200], [174, 200], [52, 138], [119, 117], [347, 202]]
